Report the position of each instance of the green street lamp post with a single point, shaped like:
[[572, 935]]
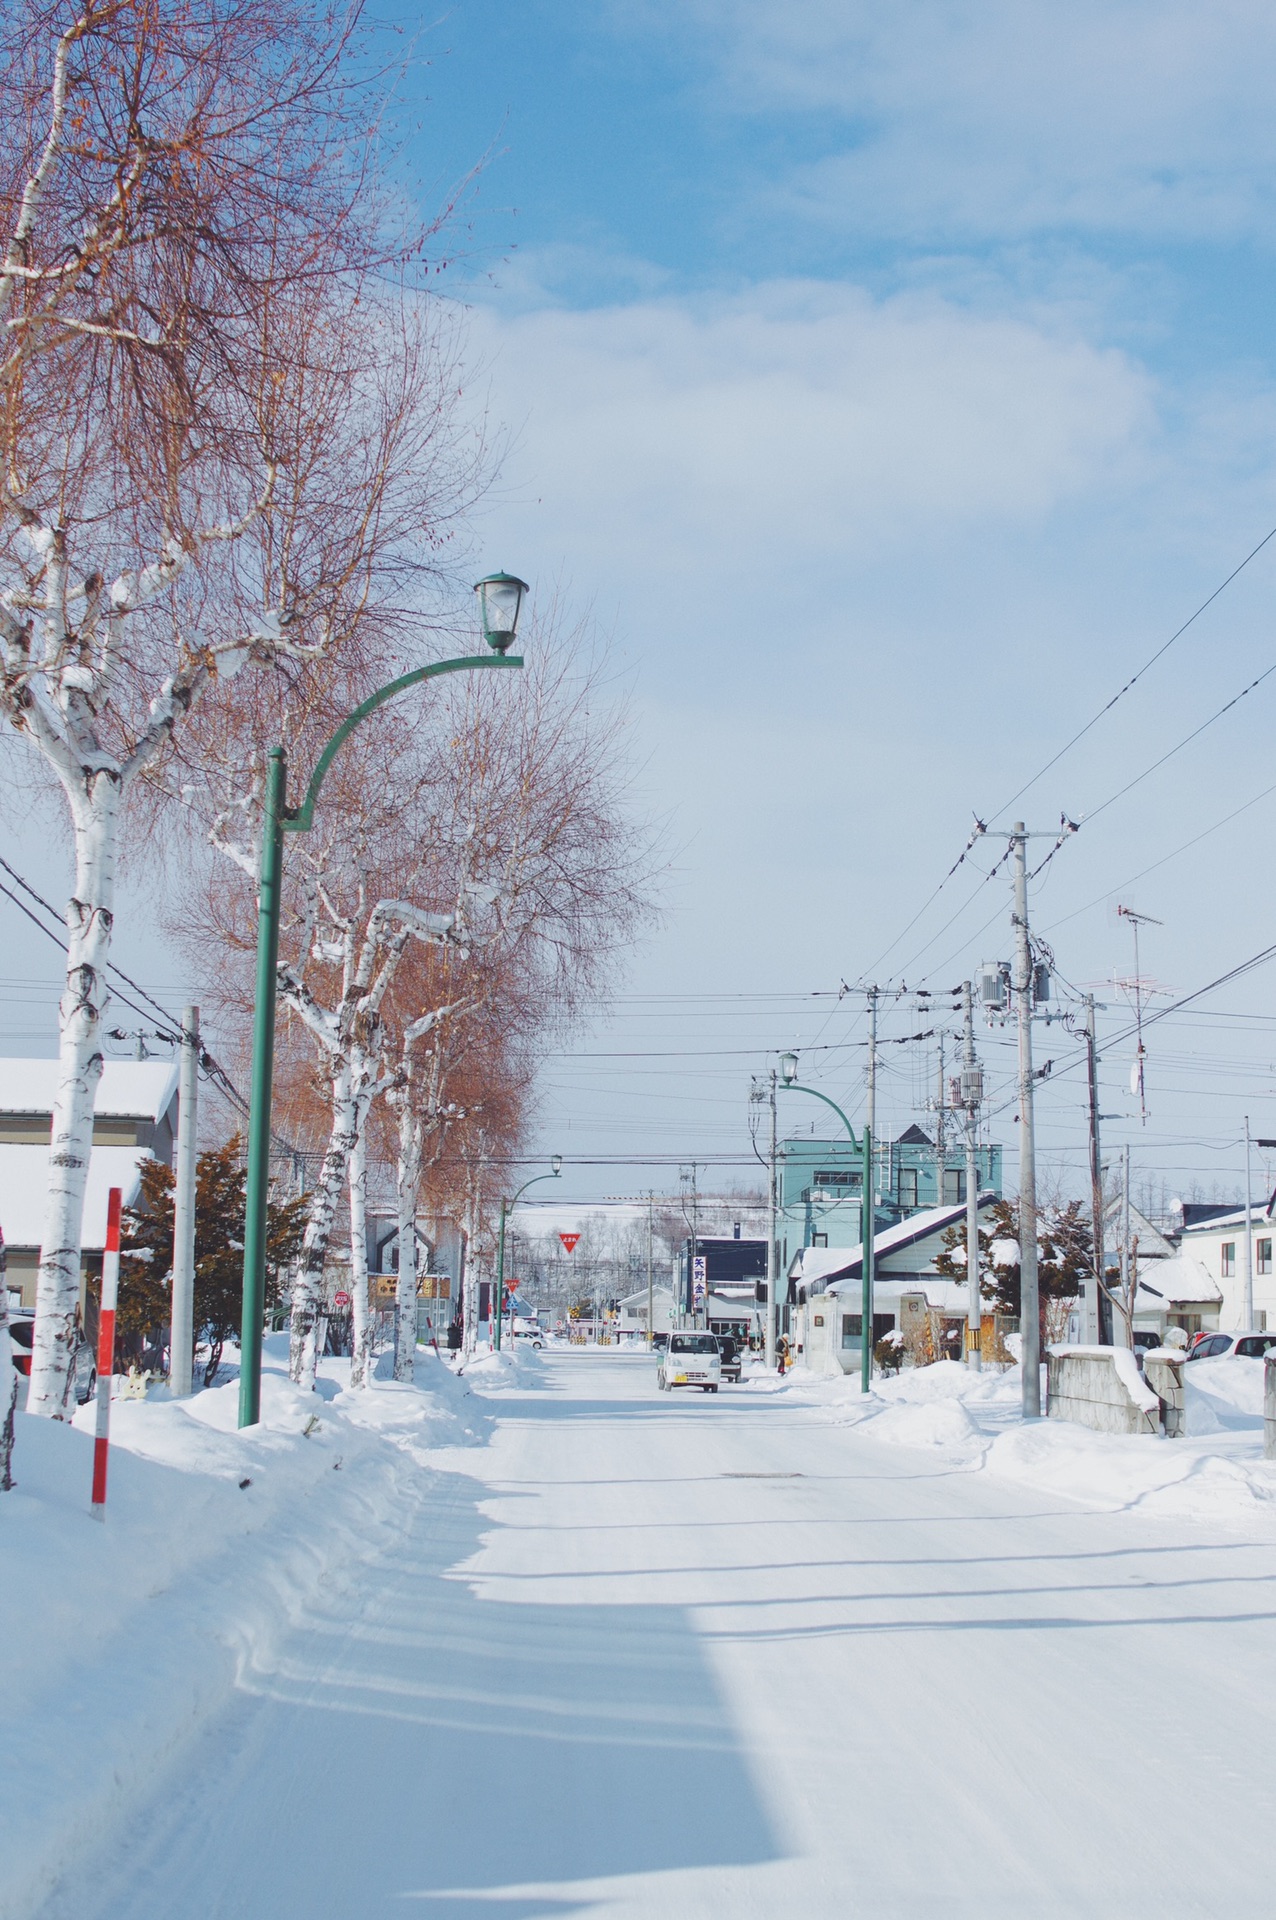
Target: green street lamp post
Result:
[[507, 1208], [789, 1080], [500, 601]]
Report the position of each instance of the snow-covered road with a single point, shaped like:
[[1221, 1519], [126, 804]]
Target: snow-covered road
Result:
[[692, 1655]]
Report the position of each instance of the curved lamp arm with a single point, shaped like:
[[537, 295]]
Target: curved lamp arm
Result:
[[791, 1086], [511, 1204], [301, 819]]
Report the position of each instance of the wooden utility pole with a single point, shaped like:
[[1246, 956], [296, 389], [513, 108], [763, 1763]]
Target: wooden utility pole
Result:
[[772, 1245], [1029, 1311], [651, 1201], [972, 1093], [940, 1142], [1096, 1282], [181, 1341]]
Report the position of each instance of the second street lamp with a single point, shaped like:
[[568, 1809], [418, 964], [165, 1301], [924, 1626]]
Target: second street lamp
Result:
[[507, 1207], [788, 1073], [500, 599]]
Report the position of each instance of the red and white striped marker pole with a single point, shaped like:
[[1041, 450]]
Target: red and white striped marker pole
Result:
[[106, 1348]]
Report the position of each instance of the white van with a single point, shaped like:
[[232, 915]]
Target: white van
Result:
[[690, 1360]]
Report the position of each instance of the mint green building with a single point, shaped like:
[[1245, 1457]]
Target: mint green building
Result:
[[821, 1186]]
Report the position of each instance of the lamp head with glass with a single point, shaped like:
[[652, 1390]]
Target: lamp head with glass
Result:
[[500, 600]]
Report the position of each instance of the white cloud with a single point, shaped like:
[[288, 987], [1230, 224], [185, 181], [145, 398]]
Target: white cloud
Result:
[[802, 420], [997, 118]]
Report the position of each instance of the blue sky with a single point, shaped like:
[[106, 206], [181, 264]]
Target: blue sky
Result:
[[887, 383], [890, 383]]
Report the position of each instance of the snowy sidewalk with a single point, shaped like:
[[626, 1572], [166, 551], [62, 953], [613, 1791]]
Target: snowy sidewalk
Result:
[[660, 1656]]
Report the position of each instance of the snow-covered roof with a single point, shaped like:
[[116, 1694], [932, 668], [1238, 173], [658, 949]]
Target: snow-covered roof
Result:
[[24, 1176], [1180, 1278], [1226, 1222], [128, 1089], [947, 1296], [639, 1299], [815, 1264]]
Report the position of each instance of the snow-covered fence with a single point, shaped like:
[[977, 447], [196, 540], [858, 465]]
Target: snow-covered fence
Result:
[[1269, 1407], [1163, 1372], [1100, 1387]]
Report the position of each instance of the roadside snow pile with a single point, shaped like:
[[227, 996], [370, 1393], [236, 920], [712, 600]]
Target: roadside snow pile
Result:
[[123, 1636], [516, 1365], [1224, 1395], [929, 1423], [973, 1420]]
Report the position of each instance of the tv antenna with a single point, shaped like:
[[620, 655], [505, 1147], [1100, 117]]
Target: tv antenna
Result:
[[1136, 988]]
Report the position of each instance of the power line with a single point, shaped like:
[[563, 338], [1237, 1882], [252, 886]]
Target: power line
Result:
[[1184, 742], [1165, 859], [172, 1033], [1148, 664]]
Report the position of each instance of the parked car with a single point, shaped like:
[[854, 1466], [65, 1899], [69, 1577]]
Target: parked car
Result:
[[1247, 1345], [84, 1366], [729, 1349], [690, 1360]]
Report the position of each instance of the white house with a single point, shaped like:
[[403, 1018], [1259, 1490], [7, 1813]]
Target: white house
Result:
[[825, 1283], [1216, 1246], [631, 1319], [134, 1119]]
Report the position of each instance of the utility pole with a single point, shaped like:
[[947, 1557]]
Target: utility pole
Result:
[[1029, 1311], [872, 1101], [940, 1143], [181, 1340], [972, 1091], [695, 1245], [1095, 1283], [772, 1245], [1247, 1313], [868, 1221], [1121, 1334], [694, 1223], [651, 1201]]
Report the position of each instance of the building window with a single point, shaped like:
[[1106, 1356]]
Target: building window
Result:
[[851, 1324], [908, 1186], [1229, 1259], [1264, 1256], [954, 1185], [819, 1319], [837, 1177], [819, 1239]]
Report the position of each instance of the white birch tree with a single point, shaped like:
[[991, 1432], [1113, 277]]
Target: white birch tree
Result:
[[198, 472], [368, 945]]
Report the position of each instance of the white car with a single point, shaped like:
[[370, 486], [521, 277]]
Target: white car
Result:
[[690, 1360], [1246, 1345]]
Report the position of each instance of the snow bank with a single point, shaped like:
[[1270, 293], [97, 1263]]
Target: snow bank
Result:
[[516, 1365], [124, 1635], [973, 1420]]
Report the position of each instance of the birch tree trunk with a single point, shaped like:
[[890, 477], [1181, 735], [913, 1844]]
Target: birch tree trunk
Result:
[[89, 919], [307, 1278], [361, 1309], [408, 1188]]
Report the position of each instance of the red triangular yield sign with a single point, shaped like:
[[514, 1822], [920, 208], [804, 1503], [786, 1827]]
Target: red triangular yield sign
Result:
[[569, 1241]]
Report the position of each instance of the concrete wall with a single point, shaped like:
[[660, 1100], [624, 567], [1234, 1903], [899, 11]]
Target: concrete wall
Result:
[[1164, 1374], [1100, 1387]]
